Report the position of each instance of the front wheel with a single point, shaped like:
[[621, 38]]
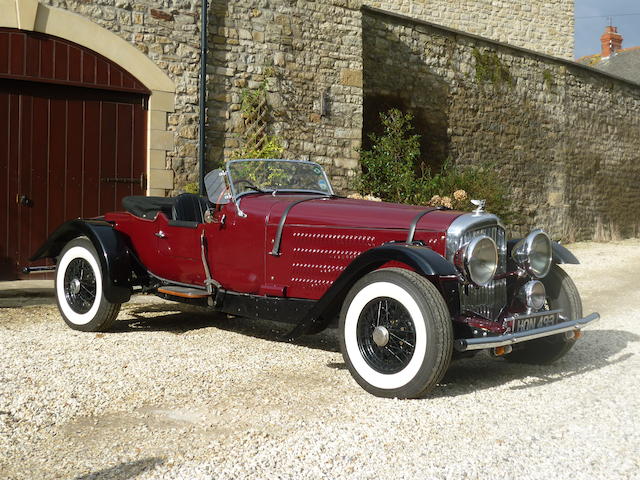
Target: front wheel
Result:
[[78, 287], [395, 334], [561, 294]]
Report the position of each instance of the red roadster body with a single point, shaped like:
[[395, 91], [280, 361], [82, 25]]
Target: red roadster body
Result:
[[320, 238], [408, 285]]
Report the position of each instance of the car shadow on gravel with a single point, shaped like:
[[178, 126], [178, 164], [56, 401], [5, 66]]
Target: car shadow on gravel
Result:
[[172, 318], [181, 319], [124, 471], [598, 350]]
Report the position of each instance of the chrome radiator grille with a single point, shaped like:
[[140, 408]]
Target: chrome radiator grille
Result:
[[490, 300]]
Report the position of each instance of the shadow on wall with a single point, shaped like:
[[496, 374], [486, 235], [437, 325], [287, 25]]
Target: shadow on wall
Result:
[[395, 77], [218, 84], [563, 139]]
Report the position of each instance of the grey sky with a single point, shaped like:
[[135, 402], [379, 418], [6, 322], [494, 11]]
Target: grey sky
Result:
[[588, 30]]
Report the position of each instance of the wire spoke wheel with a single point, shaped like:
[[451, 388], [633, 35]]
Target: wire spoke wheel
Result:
[[395, 333], [79, 288], [386, 335], [80, 285]]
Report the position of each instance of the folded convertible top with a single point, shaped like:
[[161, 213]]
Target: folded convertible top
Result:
[[148, 207]]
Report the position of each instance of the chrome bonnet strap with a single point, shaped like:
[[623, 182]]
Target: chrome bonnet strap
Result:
[[414, 223], [278, 238]]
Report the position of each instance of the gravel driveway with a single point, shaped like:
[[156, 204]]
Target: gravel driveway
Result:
[[178, 394]]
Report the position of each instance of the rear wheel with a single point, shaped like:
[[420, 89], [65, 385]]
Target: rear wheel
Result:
[[395, 334], [78, 287], [561, 294]]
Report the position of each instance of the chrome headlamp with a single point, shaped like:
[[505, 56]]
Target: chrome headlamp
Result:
[[533, 294], [477, 260], [533, 253]]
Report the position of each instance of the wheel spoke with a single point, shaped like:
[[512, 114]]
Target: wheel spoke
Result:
[[80, 285], [401, 339], [391, 352], [390, 315], [92, 294]]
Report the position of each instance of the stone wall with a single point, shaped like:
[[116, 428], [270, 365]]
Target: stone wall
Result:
[[565, 137], [303, 50], [544, 26]]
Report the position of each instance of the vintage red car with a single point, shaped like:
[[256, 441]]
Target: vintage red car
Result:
[[409, 285]]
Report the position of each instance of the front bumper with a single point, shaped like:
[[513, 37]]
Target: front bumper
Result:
[[466, 344]]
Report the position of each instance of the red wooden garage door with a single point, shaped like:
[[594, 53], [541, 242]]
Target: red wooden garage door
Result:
[[72, 139]]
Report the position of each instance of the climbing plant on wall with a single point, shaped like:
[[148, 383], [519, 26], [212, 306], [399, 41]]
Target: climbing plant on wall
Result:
[[256, 142]]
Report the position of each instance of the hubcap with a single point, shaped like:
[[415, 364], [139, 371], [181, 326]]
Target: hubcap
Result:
[[74, 286], [381, 336], [386, 335], [80, 287]]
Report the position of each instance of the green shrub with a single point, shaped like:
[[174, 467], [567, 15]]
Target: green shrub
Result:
[[394, 171], [193, 187], [388, 168], [270, 148], [456, 186]]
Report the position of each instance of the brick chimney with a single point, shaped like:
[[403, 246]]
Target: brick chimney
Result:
[[611, 41]]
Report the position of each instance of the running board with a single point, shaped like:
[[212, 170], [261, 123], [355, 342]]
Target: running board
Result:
[[183, 292]]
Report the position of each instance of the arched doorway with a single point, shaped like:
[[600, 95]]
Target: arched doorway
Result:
[[73, 139]]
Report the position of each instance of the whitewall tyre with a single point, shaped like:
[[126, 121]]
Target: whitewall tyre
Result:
[[395, 333], [78, 287]]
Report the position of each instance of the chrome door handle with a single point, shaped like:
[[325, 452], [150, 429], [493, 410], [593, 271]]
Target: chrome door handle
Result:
[[160, 234]]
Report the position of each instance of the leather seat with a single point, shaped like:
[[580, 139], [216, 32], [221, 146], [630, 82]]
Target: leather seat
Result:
[[189, 207]]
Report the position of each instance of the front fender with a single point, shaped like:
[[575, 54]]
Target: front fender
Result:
[[113, 252], [560, 253], [423, 260]]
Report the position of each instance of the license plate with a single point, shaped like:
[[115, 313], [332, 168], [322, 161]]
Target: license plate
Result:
[[524, 324]]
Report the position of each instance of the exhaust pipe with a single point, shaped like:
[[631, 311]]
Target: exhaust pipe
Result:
[[45, 269]]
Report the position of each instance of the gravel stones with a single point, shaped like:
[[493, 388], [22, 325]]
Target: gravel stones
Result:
[[176, 393]]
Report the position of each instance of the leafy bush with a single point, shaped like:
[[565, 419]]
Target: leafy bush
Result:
[[193, 187], [388, 168], [270, 148], [455, 186], [394, 171]]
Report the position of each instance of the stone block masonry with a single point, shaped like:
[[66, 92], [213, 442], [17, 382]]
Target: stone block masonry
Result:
[[308, 56], [544, 26], [563, 136]]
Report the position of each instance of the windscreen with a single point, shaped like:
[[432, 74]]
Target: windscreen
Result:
[[277, 175]]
